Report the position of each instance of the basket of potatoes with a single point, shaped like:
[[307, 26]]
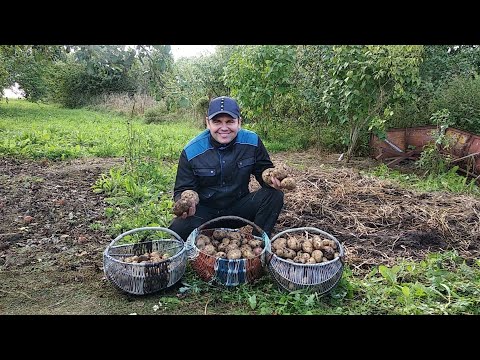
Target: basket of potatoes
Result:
[[145, 260], [227, 255], [305, 258]]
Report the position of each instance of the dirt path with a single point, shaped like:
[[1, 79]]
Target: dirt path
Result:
[[52, 229]]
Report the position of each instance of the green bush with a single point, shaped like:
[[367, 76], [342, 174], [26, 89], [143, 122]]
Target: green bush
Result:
[[157, 114], [461, 97]]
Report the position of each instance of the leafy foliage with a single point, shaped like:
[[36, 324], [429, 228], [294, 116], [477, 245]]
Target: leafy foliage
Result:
[[257, 76], [461, 97], [364, 81]]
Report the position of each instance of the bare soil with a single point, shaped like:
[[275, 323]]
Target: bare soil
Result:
[[52, 229]]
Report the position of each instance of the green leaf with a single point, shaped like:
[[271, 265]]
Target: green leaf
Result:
[[252, 301]]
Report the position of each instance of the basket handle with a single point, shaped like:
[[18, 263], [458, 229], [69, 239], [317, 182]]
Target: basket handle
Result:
[[223, 218], [154, 228]]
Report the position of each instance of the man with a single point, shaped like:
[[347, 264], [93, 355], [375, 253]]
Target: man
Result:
[[217, 164]]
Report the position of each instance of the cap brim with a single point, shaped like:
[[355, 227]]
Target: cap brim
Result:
[[233, 115]]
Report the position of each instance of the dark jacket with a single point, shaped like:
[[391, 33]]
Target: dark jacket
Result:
[[220, 173]]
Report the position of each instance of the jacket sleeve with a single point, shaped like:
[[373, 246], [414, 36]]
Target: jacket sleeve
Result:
[[262, 162], [185, 179]]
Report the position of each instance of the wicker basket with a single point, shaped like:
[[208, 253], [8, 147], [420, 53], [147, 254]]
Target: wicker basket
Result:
[[319, 278], [145, 278], [224, 271]]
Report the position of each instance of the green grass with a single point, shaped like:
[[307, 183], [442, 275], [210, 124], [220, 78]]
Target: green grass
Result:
[[35, 131], [449, 181]]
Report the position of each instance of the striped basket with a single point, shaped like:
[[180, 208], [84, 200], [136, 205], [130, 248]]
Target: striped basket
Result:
[[319, 278], [224, 271], [146, 278]]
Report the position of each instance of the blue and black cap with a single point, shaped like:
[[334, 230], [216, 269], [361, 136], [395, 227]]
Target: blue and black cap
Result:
[[223, 105]]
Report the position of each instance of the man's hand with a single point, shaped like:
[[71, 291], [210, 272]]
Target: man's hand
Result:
[[278, 179], [191, 211], [183, 208], [275, 183], [187, 204]]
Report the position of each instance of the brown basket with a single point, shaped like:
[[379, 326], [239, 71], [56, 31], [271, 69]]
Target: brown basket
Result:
[[224, 271]]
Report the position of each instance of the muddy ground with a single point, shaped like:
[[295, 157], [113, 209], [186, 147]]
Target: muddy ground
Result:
[[52, 228]]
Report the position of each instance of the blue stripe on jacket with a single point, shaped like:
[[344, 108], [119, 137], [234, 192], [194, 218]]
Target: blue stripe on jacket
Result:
[[201, 143]]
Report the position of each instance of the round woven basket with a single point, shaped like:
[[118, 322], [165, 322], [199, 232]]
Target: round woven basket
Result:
[[145, 278], [319, 278], [224, 271]]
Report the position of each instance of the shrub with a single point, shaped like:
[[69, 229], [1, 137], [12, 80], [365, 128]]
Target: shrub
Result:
[[157, 114], [461, 97]]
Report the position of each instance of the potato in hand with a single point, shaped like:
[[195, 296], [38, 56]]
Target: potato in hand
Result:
[[181, 206]]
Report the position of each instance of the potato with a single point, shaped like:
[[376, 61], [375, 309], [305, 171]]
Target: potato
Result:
[[200, 243], [280, 173], [311, 261], [307, 246], [328, 252], [289, 253], [317, 242], [293, 244], [247, 253], [255, 243], [280, 252], [222, 247], [221, 255], [305, 256], [330, 243], [299, 259], [317, 255], [279, 243], [235, 235], [235, 242], [219, 234], [190, 195], [144, 257], [209, 249], [288, 184], [266, 176], [181, 206], [231, 247], [206, 240], [234, 254]]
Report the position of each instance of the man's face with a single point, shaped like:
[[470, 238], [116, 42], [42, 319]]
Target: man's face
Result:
[[224, 128]]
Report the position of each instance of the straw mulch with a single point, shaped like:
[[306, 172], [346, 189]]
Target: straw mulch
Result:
[[377, 221]]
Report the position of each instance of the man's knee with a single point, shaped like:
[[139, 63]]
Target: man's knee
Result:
[[276, 197]]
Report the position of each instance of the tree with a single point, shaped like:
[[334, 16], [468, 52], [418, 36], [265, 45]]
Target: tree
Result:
[[363, 81], [27, 66], [257, 75]]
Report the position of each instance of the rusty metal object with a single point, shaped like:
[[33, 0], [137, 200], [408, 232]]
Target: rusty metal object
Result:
[[408, 143]]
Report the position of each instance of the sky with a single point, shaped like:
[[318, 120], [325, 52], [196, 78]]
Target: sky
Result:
[[179, 51]]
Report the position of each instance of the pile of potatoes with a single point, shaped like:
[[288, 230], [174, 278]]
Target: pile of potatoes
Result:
[[229, 245], [281, 173], [308, 249], [147, 258]]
